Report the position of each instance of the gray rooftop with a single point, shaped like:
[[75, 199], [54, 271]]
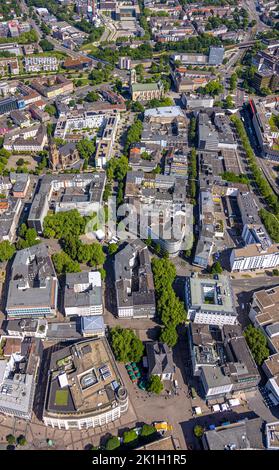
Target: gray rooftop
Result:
[[33, 279]]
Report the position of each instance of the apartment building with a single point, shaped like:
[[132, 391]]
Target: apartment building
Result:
[[33, 286], [9, 65], [68, 125], [41, 64], [53, 86], [206, 230], [246, 434], [210, 301], [264, 314], [83, 294], [29, 139]]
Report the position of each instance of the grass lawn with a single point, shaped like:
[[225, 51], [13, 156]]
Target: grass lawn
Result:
[[61, 397]]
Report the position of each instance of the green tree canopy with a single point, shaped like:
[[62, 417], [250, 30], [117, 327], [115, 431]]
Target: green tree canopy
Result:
[[7, 250], [112, 443], [117, 168], [64, 264], [86, 148], [155, 385], [198, 431], [147, 430], [64, 224], [129, 436], [126, 345], [169, 336], [46, 45], [10, 438], [257, 342], [216, 268], [112, 248]]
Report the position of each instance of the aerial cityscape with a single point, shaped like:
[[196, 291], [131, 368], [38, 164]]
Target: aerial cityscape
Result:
[[139, 225]]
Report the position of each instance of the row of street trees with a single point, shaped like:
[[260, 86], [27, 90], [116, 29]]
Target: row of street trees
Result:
[[170, 309]]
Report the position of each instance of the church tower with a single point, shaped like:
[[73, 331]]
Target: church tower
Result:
[[53, 156]]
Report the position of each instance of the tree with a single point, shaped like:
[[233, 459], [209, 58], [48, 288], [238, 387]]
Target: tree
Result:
[[129, 436], [50, 109], [147, 430], [21, 440], [212, 88], [20, 162], [126, 345], [216, 268], [64, 264], [86, 148], [117, 168], [257, 343], [92, 96], [169, 336], [29, 238], [46, 45], [7, 250], [233, 81], [10, 438], [198, 431], [170, 309], [112, 443], [229, 102], [133, 134], [155, 385], [107, 192], [64, 224], [265, 91], [164, 273], [137, 107], [112, 248]]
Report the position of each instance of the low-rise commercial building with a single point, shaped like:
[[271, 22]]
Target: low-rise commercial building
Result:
[[255, 256]]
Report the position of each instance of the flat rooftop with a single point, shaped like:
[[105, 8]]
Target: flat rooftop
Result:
[[83, 380], [208, 294]]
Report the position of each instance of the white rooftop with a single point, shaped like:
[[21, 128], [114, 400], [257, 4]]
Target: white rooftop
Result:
[[165, 111]]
